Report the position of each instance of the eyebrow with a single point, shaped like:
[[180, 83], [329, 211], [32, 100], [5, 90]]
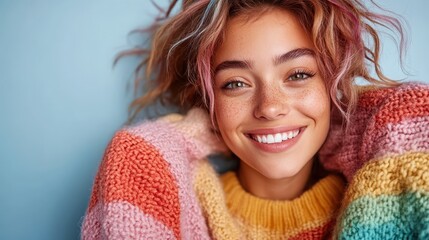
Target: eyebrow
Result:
[[245, 64], [233, 64], [296, 53]]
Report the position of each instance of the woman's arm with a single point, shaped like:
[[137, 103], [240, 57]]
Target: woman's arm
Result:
[[385, 158], [143, 188]]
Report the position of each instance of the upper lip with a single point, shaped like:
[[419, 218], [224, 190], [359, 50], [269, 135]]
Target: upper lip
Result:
[[266, 131]]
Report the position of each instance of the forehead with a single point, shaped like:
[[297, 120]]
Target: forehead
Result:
[[266, 31]]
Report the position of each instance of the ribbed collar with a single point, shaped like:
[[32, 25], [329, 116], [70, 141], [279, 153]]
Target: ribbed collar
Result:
[[315, 206]]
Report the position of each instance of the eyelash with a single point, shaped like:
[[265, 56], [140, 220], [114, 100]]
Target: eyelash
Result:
[[305, 75], [232, 85]]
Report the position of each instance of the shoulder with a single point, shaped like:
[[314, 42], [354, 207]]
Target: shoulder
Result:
[[143, 144], [129, 153]]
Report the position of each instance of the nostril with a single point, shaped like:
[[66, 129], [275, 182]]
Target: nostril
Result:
[[271, 111]]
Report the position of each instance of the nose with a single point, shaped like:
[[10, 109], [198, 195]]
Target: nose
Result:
[[271, 103]]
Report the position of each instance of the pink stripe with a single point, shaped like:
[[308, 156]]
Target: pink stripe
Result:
[[405, 136], [178, 151], [123, 221], [409, 135]]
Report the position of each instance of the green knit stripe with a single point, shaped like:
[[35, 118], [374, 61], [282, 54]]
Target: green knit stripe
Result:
[[404, 216]]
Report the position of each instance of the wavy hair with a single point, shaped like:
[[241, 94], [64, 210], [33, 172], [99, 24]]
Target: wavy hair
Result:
[[177, 67]]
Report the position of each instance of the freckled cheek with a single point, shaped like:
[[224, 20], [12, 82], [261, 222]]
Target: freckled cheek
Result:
[[230, 113], [314, 102]]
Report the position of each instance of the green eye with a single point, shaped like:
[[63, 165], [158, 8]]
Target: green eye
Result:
[[234, 85], [300, 76]]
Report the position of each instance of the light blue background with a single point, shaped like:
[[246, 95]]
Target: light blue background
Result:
[[61, 101]]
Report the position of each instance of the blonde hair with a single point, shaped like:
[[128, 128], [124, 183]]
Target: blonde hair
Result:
[[177, 68]]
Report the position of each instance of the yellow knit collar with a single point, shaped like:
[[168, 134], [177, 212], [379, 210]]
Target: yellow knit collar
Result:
[[314, 207]]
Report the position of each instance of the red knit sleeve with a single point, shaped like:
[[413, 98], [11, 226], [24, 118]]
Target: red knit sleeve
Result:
[[143, 188], [133, 186]]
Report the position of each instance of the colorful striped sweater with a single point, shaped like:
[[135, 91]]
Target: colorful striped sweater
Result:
[[155, 183]]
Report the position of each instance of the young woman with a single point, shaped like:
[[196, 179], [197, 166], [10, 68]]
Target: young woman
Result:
[[273, 83]]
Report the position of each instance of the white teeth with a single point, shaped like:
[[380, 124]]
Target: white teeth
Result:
[[284, 136], [270, 138], [295, 133], [276, 138]]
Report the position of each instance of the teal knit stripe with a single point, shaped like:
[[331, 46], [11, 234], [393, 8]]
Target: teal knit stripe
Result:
[[387, 217]]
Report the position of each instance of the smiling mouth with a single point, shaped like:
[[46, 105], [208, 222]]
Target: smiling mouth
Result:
[[276, 137]]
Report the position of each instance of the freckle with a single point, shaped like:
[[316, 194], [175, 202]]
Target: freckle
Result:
[[229, 107], [303, 94]]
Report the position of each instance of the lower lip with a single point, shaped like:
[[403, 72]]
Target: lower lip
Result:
[[278, 147]]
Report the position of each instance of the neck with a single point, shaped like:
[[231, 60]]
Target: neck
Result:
[[287, 188]]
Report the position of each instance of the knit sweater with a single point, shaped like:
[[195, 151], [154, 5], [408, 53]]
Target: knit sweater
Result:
[[310, 216], [155, 182]]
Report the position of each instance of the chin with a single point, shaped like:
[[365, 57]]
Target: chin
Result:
[[282, 172]]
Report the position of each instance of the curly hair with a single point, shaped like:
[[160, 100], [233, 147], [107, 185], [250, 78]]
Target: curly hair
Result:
[[177, 68]]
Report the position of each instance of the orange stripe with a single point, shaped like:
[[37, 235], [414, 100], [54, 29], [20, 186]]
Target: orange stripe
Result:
[[134, 171]]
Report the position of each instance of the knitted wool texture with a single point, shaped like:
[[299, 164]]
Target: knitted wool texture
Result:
[[385, 157], [309, 216], [154, 183]]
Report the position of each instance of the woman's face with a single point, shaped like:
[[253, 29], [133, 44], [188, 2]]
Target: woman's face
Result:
[[271, 104]]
